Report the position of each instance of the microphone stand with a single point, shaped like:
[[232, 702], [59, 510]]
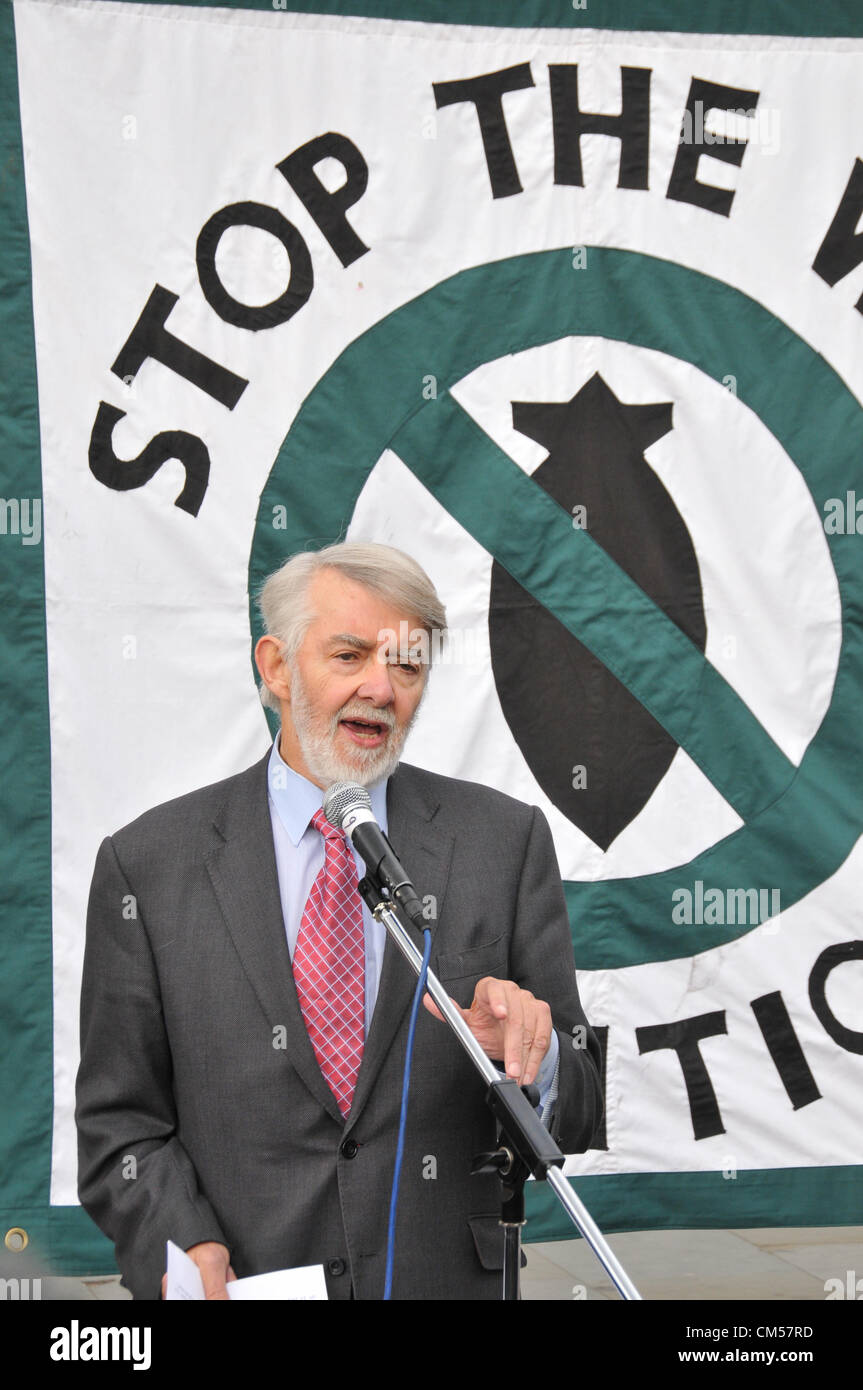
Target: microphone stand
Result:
[[526, 1145]]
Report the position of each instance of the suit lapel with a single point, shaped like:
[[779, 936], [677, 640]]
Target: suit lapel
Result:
[[242, 869], [425, 850]]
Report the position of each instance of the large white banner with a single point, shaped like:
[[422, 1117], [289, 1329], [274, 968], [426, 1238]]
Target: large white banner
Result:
[[571, 313]]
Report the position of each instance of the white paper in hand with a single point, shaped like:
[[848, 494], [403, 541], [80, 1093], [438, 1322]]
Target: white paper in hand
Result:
[[184, 1281]]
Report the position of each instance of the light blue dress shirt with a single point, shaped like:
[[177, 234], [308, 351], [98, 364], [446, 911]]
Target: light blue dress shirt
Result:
[[299, 859]]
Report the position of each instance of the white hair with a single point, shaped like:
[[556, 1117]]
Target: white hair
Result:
[[284, 603]]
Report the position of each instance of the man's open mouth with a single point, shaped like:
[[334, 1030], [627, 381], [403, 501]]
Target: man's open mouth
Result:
[[369, 732]]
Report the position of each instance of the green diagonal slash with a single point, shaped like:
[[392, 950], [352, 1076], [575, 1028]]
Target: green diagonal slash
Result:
[[587, 591], [800, 823]]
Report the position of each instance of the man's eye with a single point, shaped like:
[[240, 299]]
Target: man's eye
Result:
[[346, 656]]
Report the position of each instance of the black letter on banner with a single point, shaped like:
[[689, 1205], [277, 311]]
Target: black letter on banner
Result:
[[784, 1047], [300, 283], [123, 474], [328, 209], [150, 338], [631, 127], [683, 185], [848, 1038], [600, 1138], [842, 250], [486, 92], [684, 1036]]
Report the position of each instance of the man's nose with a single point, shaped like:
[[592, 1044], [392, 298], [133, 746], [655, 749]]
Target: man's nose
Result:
[[377, 683]]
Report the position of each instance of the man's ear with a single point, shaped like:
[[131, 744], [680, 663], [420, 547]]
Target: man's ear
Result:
[[274, 671]]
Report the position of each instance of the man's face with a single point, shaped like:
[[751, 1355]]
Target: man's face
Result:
[[352, 699]]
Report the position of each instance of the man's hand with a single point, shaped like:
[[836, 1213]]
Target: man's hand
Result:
[[212, 1260], [509, 1024]]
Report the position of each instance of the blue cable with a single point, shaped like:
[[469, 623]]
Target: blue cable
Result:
[[406, 1081]]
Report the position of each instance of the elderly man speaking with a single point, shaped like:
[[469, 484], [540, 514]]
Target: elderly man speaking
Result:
[[263, 1129]]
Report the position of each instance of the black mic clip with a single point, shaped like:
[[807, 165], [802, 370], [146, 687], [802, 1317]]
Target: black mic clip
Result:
[[373, 892]]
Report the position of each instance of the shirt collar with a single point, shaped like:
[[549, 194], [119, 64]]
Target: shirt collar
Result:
[[296, 798]]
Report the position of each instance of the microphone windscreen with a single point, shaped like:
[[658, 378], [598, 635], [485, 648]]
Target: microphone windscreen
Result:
[[343, 797]]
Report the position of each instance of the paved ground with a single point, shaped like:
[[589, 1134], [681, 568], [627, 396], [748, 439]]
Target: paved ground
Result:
[[782, 1263]]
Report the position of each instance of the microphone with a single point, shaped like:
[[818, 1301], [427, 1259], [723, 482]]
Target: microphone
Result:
[[349, 808]]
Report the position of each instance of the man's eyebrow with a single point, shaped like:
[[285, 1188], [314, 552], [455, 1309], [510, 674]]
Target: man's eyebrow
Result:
[[350, 639]]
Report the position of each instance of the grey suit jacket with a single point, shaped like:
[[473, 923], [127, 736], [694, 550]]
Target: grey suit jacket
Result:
[[202, 1113]]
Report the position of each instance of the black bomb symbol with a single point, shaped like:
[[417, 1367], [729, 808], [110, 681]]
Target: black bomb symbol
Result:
[[566, 710]]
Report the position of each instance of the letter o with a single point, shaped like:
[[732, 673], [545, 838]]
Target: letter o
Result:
[[295, 293]]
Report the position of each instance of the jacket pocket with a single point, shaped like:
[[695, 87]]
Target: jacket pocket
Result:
[[490, 958], [487, 1235]]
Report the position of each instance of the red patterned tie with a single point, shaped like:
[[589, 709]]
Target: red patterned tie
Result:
[[329, 966]]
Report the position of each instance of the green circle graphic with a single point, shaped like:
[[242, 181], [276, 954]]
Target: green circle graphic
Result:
[[800, 823]]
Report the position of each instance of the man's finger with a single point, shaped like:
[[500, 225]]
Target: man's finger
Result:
[[214, 1281], [435, 1011], [539, 1031], [515, 1047], [432, 1006], [502, 1000], [212, 1260], [493, 994]]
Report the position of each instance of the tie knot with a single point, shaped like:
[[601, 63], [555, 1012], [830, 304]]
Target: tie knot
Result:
[[320, 822]]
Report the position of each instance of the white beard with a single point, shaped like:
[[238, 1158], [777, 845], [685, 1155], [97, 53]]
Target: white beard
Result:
[[316, 737]]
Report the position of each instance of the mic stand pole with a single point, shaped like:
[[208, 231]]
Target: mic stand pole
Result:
[[527, 1144]]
